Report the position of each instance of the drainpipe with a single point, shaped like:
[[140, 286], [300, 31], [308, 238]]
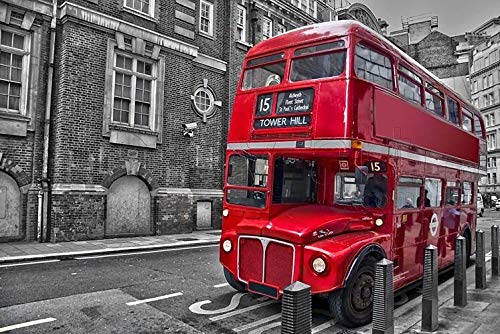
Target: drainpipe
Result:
[[45, 185]]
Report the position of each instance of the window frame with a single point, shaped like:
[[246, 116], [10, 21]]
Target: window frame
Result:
[[448, 100], [210, 18], [134, 76], [269, 21], [242, 25], [406, 183], [25, 70], [151, 8], [441, 199], [411, 76], [439, 94], [376, 50]]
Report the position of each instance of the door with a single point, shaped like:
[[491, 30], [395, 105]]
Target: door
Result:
[[10, 206], [128, 208]]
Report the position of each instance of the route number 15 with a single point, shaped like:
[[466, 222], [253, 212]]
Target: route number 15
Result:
[[264, 105], [376, 166]]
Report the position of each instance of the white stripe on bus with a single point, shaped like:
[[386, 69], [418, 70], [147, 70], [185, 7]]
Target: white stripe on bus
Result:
[[342, 143]]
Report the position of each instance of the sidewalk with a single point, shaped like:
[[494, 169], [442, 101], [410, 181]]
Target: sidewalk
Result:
[[32, 251], [480, 316]]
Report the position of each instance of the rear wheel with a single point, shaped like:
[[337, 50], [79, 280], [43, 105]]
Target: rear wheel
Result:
[[352, 306], [233, 282]]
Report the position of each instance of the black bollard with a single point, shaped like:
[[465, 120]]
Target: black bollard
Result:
[[430, 290], [296, 314], [460, 275], [383, 298], [480, 261], [494, 251]]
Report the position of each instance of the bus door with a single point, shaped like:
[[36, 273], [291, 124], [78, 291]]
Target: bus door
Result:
[[407, 241], [451, 223], [432, 214]]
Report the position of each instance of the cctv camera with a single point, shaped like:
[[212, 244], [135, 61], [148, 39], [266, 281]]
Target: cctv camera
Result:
[[190, 126]]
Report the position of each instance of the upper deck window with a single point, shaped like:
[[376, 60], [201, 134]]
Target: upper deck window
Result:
[[452, 111], [466, 120], [477, 127], [325, 61], [264, 71], [373, 66], [409, 85], [433, 99]]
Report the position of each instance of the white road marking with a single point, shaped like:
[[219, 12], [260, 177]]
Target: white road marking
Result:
[[26, 263], [137, 302], [235, 301], [26, 324], [265, 328], [143, 252], [243, 310], [257, 323], [221, 285], [323, 326]]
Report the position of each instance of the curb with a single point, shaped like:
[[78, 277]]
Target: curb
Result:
[[103, 251]]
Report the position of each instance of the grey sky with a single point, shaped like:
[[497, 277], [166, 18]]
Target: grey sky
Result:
[[455, 16]]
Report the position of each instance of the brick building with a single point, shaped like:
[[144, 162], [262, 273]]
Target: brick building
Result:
[[114, 113], [445, 56], [485, 89]]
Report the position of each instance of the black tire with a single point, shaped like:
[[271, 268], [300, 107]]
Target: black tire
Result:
[[352, 306], [233, 282]]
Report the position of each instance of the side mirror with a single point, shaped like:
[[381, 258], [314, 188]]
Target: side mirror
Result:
[[361, 174]]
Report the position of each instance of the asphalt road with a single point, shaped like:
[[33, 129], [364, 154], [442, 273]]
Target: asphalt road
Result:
[[176, 291]]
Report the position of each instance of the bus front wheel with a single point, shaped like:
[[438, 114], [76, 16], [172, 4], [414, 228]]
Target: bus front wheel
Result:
[[352, 306], [233, 282]]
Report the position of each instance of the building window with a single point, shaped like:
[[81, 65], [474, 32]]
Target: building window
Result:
[[494, 178], [203, 100], [14, 63], [308, 6], [493, 162], [267, 28], [492, 119], [474, 86], [491, 140], [372, 66], [490, 80], [142, 6], [207, 17], [134, 87], [485, 82], [241, 24], [280, 29]]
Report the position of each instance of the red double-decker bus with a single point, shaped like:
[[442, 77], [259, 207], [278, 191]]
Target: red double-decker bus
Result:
[[342, 150]]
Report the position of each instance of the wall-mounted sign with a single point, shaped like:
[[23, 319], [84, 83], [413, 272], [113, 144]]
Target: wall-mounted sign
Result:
[[282, 122], [297, 101]]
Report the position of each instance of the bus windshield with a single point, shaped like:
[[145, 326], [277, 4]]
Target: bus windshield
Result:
[[294, 180], [264, 71]]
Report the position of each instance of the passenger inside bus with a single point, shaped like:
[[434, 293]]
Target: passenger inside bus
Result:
[[375, 194], [408, 204], [427, 201]]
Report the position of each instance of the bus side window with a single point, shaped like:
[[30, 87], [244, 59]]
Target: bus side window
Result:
[[410, 85], [452, 194], [372, 66], [432, 193], [408, 193], [467, 193]]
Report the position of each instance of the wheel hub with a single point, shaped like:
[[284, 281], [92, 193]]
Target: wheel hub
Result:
[[362, 292]]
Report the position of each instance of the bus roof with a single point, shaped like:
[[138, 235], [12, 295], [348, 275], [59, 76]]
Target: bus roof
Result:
[[331, 29]]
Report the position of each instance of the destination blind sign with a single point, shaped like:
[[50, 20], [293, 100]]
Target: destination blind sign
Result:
[[294, 102], [291, 102]]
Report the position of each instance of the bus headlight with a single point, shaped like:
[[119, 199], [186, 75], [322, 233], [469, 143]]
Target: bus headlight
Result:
[[225, 212], [227, 246], [319, 265], [379, 222]]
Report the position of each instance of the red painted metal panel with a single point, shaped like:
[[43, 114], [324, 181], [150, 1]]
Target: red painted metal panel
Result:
[[279, 265], [251, 256], [399, 120]]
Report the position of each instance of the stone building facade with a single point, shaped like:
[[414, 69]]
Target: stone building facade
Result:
[[485, 89], [114, 113]]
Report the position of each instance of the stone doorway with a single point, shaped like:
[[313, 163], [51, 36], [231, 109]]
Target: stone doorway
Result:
[[128, 208], [10, 207]]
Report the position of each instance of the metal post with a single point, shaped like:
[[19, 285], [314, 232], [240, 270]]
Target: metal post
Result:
[[480, 261], [494, 251], [296, 314], [460, 276], [383, 298], [430, 290]]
